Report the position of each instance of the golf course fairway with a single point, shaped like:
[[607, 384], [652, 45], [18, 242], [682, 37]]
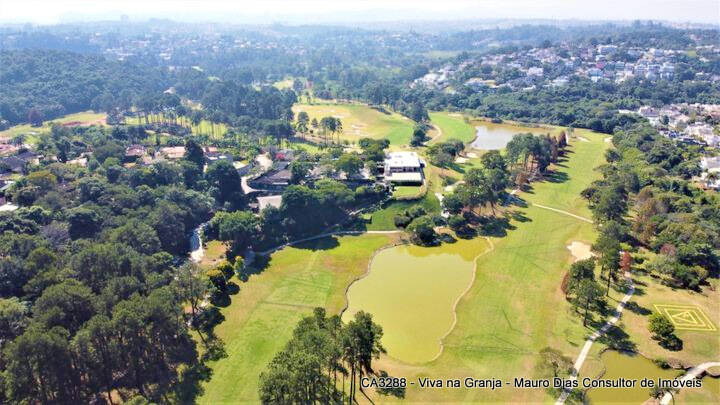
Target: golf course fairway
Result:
[[411, 291]]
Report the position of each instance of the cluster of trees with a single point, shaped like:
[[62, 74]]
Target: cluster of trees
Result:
[[322, 351], [43, 84], [676, 221], [305, 210], [582, 290], [664, 331], [528, 154], [89, 283], [443, 154]]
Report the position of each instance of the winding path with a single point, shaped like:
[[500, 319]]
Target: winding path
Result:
[[692, 373], [589, 342]]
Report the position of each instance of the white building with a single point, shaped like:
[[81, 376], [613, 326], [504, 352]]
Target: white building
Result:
[[711, 172], [403, 168]]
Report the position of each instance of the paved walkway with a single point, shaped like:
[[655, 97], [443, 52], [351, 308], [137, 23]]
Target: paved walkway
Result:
[[588, 344], [692, 373], [564, 212]]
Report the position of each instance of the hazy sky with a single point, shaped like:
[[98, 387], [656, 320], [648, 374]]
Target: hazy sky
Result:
[[313, 11]]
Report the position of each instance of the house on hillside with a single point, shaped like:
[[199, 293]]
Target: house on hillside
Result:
[[275, 179], [710, 178], [173, 152], [403, 168], [135, 152], [212, 157], [17, 163]]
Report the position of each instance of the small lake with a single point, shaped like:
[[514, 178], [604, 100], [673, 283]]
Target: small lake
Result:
[[631, 366], [411, 292], [490, 136]]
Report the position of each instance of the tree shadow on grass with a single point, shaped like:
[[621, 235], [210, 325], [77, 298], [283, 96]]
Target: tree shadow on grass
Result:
[[519, 216], [636, 308], [395, 392], [189, 386], [556, 177], [326, 243], [616, 338], [516, 201], [494, 226]]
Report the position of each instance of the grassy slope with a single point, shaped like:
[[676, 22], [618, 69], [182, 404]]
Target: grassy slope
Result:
[[361, 121], [515, 307], [261, 317], [86, 117], [452, 126], [582, 159]]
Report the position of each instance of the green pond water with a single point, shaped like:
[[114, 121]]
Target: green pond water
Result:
[[411, 291], [623, 364], [491, 136]]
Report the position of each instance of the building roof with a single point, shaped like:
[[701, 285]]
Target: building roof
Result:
[[135, 150], [402, 159], [270, 200], [173, 152], [404, 177], [710, 163]]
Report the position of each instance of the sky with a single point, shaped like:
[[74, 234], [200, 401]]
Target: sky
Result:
[[348, 11]]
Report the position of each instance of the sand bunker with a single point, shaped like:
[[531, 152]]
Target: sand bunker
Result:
[[471, 155], [460, 160], [580, 250], [583, 139]]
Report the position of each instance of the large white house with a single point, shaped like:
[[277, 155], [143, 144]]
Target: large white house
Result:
[[403, 168], [711, 172]]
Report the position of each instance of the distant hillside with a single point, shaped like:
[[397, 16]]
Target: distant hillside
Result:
[[57, 82]]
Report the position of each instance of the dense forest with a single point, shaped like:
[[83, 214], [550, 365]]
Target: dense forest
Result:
[[55, 83]]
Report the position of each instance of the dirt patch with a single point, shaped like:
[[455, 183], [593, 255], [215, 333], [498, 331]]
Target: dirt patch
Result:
[[471, 155], [580, 250], [460, 160]]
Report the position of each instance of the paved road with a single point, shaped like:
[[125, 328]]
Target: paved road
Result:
[[692, 373], [588, 344]]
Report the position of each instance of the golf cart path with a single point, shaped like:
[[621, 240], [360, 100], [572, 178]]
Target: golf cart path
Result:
[[692, 373], [516, 191], [564, 212], [589, 342]]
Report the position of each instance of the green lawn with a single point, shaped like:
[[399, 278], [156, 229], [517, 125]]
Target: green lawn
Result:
[[452, 125], [261, 317], [32, 133], [204, 127], [515, 306], [360, 121], [407, 191], [582, 159]]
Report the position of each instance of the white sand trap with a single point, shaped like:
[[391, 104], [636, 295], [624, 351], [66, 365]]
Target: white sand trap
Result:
[[608, 139], [580, 251], [583, 139], [460, 160], [455, 115], [472, 155]]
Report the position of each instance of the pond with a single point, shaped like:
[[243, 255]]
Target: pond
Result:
[[631, 366], [490, 136], [411, 292]]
